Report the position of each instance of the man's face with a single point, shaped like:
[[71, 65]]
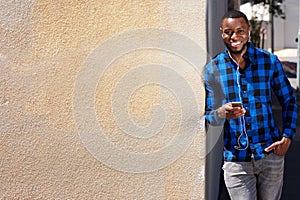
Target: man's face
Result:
[[235, 34]]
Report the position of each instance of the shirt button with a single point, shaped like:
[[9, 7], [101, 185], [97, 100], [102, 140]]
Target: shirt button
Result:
[[248, 126]]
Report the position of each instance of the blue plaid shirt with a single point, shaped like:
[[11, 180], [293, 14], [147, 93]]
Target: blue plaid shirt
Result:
[[253, 87]]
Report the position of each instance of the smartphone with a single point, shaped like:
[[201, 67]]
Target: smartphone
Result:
[[236, 104]]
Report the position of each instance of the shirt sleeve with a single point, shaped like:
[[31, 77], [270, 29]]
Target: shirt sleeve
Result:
[[287, 99], [213, 99]]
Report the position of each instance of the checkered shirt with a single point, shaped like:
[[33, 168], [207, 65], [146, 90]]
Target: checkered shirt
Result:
[[262, 76]]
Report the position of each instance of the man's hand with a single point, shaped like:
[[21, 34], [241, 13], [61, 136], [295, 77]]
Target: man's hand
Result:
[[229, 112], [280, 147]]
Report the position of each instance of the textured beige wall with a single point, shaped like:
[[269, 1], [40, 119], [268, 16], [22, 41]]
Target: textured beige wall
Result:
[[100, 99]]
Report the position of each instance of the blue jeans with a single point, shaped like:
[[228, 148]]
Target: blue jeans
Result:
[[261, 179]]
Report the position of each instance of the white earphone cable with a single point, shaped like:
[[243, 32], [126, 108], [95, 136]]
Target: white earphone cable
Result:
[[241, 119]]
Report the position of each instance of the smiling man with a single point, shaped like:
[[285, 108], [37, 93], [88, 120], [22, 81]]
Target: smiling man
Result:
[[239, 84]]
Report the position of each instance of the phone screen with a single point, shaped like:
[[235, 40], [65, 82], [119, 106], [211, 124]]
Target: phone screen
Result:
[[236, 104]]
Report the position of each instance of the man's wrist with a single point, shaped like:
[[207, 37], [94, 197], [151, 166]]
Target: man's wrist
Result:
[[221, 112]]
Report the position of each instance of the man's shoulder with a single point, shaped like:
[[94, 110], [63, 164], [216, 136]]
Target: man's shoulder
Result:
[[219, 55], [217, 58], [216, 63], [260, 52]]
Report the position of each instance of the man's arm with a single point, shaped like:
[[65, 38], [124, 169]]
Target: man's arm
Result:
[[287, 99]]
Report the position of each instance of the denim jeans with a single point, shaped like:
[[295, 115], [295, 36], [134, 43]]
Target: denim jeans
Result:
[[261, 179]]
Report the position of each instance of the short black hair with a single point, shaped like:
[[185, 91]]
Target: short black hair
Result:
[[235, 14]]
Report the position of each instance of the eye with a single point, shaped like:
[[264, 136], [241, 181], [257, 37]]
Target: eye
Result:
[[228, 32], [241, 32]]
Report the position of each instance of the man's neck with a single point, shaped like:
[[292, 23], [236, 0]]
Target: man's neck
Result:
[[238, 58]]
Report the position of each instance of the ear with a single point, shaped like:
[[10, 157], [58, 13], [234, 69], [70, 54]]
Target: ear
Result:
[[249, 30]]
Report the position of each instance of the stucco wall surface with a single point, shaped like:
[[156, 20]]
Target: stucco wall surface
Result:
[[102, 99]]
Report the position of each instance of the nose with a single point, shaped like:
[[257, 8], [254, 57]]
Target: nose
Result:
[[233, 35]]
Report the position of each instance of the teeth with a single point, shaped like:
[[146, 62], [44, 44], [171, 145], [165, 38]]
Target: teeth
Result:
[[235, 43]]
